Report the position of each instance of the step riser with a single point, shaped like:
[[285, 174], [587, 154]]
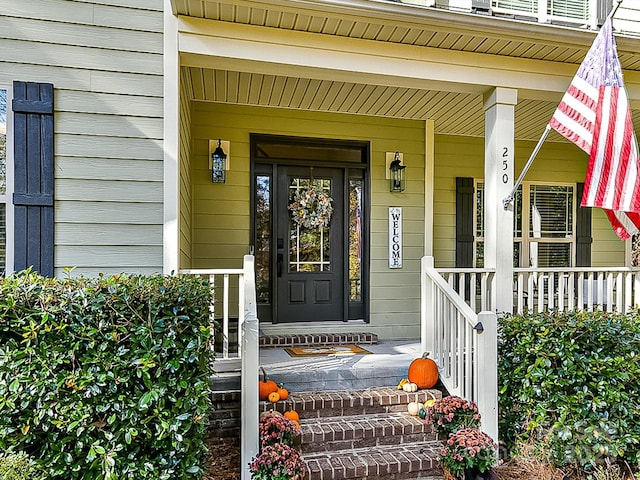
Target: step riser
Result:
[[374, 440], [411, 462], [341, 404]]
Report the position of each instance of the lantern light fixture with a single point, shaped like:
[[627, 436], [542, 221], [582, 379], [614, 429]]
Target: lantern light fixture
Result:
[[219, 163], [396, 173]]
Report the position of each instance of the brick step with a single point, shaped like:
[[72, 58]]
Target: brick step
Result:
[[359, 431], [303, 340], [417, 460], [224, 416], [355, 402]]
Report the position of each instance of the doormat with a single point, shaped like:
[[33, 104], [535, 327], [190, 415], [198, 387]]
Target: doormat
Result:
[[322, 351]]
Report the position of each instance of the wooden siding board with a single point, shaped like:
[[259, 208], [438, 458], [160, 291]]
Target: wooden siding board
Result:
[[113, 147], [100, 256], [53, 34], [77, 123], [104, 103], [102, 234], [109, 169], [108, 213], [114, 191], [19, 51]]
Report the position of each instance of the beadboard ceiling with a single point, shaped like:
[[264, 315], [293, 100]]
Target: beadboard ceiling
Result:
[[453, 113]]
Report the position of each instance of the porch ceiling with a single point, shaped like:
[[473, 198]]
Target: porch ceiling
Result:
[[456, 113]]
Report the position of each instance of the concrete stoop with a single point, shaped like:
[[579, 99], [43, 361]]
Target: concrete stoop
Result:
[[364, 434]]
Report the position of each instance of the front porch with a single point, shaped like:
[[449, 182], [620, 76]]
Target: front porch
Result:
[[461, 339]]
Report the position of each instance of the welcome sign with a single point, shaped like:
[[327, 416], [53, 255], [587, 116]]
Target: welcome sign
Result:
[[395, 237]]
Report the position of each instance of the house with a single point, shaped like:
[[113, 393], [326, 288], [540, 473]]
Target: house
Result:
[[112, 109]]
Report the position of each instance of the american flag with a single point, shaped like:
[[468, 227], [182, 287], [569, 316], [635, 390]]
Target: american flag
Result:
[[595, 115]]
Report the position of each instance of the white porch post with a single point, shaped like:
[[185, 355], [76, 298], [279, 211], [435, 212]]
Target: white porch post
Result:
[[170, 230], [499, 106]]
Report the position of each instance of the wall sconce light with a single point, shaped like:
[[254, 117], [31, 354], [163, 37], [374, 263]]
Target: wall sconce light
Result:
[[395, 172], [218, 160]]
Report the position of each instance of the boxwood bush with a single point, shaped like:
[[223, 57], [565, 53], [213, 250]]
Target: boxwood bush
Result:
[[107, 377], [570, 384]]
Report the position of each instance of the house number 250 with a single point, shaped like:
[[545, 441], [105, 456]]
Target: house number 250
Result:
[[505, 164]]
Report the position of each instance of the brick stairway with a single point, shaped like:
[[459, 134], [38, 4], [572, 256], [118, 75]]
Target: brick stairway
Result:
[[366, 434]]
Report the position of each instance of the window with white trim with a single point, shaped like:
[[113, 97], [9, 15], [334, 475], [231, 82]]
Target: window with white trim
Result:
[[6, 184], [543, 225]]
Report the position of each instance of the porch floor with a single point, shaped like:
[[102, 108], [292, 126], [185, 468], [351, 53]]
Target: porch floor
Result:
[[387, 363]]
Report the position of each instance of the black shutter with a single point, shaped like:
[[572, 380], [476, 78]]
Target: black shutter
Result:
[[464, 222], [33, 176], [583, 231]]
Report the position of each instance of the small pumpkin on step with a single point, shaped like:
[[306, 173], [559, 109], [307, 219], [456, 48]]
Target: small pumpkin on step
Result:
[[291, 414], [266, 386]]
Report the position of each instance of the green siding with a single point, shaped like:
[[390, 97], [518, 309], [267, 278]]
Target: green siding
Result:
[[105, 61], [221, 212]]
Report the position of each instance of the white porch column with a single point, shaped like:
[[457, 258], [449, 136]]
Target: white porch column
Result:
[[499, 106]]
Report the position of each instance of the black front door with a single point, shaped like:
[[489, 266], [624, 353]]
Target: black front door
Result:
[[310, 251]]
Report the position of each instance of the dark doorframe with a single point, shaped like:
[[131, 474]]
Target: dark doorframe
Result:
[[272, 155]]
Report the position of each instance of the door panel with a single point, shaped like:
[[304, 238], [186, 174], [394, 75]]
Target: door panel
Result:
[[310, 259]]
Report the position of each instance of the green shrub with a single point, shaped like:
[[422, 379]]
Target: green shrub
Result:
[[106, 378], [18, 466], [570, 383]]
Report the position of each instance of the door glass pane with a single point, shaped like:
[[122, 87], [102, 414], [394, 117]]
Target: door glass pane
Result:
[[263, 237], [355, 240], [309, 247]]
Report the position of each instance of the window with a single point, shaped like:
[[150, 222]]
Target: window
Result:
[[573, 11], [543, 224], [6, 212]]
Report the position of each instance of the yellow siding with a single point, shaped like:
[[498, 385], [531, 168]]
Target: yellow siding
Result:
[[556, 162], [104, 58], [221, 212], [185, 211]]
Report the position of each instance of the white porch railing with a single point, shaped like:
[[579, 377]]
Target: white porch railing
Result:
[[614, 289], [247, 346], [220, 284], [463, 344]]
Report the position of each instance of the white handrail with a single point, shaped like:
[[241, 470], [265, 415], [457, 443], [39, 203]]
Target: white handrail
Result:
[[462, 343]]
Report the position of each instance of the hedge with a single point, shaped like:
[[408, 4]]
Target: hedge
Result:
[[107, 377], [569, 384]]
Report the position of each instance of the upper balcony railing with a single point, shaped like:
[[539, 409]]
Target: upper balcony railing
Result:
[[580, 13]]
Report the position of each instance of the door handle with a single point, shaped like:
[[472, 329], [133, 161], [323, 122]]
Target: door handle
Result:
[[280, 263]]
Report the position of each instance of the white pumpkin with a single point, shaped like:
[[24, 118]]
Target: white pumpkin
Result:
[[413, 408], [410, 387]]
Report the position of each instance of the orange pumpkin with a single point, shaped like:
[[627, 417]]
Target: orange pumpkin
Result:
[[283, 392], [423, 372], [266, 386], [273, 397], [292, 415]]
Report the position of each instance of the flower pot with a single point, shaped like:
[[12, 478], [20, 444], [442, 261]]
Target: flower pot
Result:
[[474, 474]]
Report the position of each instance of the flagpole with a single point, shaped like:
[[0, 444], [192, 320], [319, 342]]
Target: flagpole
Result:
[[509, 198]]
